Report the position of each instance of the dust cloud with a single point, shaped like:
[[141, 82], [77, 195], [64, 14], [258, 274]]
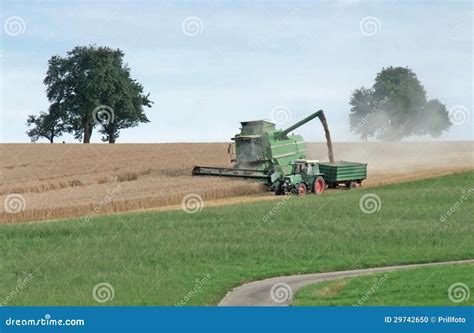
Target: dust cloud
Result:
[[390, 162]]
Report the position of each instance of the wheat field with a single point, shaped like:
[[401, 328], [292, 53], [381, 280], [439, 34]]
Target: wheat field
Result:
[[63, 180], [50, 181]]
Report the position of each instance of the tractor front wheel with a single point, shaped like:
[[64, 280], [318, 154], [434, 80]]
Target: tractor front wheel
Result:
[[301, 190], [319, 185]]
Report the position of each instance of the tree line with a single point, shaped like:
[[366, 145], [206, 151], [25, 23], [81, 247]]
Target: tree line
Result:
[[92, 88], [89, 88]]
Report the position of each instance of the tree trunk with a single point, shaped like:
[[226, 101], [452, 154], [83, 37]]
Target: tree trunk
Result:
[[87, 130], [111, 133]]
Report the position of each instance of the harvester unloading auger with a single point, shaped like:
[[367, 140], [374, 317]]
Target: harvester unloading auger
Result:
[[264, 153]]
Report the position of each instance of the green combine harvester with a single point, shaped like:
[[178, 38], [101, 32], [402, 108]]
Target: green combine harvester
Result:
[[278, 160]]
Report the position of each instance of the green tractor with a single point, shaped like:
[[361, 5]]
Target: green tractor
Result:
[[304, 177]]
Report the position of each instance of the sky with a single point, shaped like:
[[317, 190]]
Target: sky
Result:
[[210, 64]]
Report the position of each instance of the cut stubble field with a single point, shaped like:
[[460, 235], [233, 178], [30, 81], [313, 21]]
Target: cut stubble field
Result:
[[69, 180]]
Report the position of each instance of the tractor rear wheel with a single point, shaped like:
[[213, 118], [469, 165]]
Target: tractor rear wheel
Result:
[[319, 185], [301, 190]]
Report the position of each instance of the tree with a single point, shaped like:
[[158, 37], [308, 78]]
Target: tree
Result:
[[361, 118], [396, 107], [436, 118], [127, 112], [47, 125], [93, 87]]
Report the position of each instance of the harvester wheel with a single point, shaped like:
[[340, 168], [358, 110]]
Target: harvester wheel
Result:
[[278, 189], [301, 190], [319, 185]]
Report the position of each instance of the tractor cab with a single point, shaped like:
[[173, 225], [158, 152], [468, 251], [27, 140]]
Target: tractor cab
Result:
[[305, 167], [304, 177]]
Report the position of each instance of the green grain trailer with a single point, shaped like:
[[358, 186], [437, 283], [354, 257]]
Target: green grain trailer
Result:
[[342, 172]]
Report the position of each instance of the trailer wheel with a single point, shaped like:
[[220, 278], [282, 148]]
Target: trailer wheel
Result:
[[301, 190], [319, 185], [351, 185]]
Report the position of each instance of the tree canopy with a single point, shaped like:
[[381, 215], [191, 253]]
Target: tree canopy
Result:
[[92, 87], [47, 125], [395, 107]]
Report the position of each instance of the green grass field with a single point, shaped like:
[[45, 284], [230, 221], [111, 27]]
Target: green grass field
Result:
[[418, 287], [165, 258]]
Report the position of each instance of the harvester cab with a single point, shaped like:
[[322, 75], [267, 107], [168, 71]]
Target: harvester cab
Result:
[[304, 177]]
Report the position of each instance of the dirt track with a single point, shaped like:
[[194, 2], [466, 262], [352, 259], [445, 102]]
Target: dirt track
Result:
[[279, 291], [64, 180]]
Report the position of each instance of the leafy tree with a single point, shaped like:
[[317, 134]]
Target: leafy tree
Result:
[[361, 118], [396, 107], [93, 87], [127, 112], [47, 125], [437, 118]]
